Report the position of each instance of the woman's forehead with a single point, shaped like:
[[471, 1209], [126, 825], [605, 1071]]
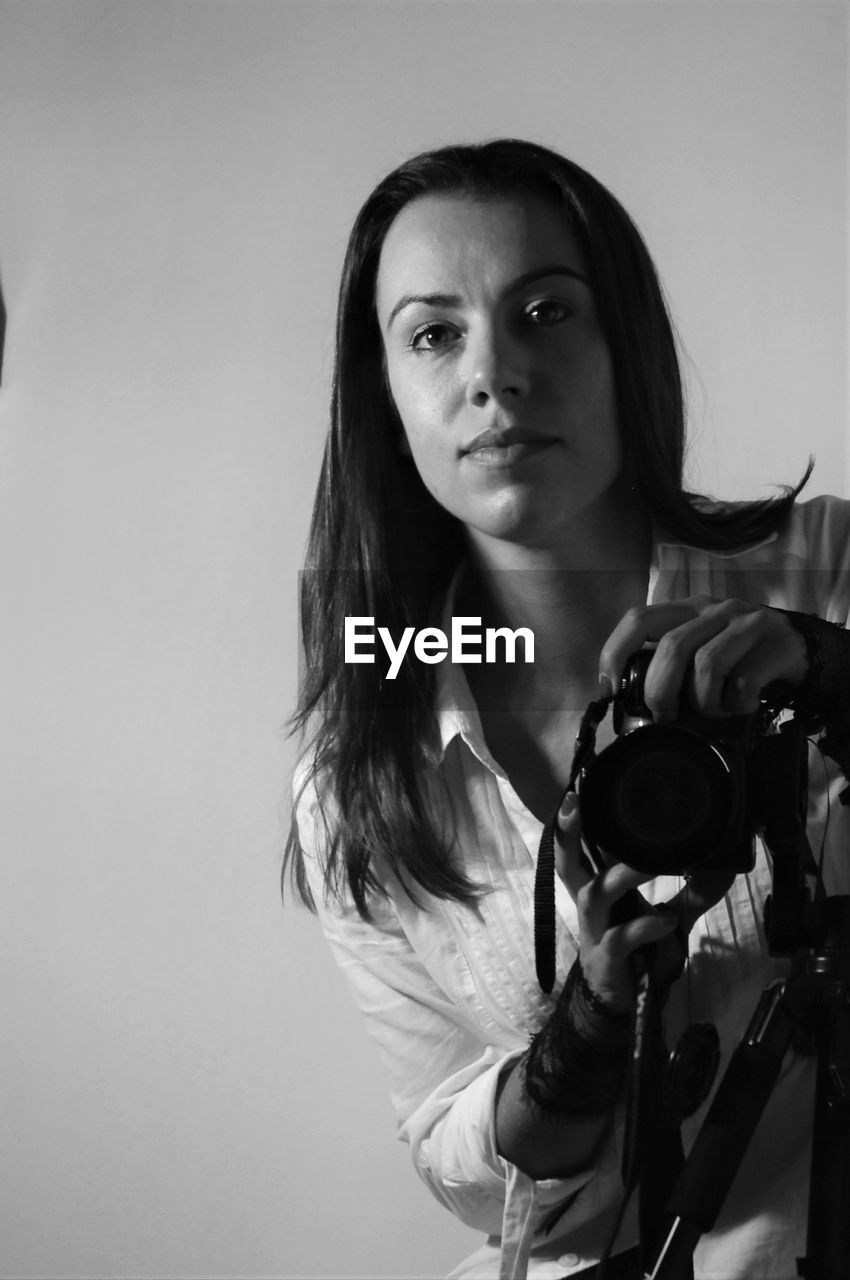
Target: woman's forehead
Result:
[[459, 243]]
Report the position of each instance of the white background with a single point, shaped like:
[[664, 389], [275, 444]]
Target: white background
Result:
[[186, 1090]]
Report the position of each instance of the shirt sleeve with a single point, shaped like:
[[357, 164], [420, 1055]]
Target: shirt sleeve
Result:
[[828, 555], [442, 1075]]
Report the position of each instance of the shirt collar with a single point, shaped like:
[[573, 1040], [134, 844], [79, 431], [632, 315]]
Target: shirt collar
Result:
[[455, 708], [661, 546]]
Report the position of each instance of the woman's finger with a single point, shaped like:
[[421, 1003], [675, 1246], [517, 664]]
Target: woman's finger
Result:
[[607, 965], [679, 654], [623, 939], [698, 657], [714, 685], [640, 626], [777, 658], [600, 897], [695, 647], [599, 893], [730, 671], [571, 862], [703, 890]]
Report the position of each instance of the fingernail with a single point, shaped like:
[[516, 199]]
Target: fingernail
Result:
[[744, 697], [569, 805], [606, 688]]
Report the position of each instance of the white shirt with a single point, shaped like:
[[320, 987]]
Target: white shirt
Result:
[[451, 996]]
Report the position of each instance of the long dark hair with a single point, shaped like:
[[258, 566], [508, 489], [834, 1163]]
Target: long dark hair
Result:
[[380, 546]]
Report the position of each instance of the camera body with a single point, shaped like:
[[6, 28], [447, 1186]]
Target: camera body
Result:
[[674, 799]]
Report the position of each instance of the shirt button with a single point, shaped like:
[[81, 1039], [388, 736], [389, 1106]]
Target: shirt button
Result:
[[568, 1260]]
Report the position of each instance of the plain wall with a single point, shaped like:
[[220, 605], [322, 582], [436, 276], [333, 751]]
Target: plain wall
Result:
[[186, 1089]]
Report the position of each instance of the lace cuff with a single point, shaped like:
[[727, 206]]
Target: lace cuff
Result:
[[576, 1065]]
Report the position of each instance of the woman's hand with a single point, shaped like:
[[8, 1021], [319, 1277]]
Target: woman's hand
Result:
[[606, 949], [719, 654]]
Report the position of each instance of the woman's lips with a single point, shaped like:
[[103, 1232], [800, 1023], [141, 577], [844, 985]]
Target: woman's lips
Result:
[[507, 454]]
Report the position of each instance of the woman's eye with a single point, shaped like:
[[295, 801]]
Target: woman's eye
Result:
[[433, 337], [547, 311]]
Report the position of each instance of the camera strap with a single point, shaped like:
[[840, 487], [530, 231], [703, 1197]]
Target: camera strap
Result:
[[544, 877]]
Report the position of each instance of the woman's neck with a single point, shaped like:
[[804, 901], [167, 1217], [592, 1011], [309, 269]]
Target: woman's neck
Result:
[[571, 595]]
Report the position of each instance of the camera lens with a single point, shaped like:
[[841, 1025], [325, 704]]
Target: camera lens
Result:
[[661, 799]]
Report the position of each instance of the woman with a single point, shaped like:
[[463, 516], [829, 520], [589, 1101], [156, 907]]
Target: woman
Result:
[[506, 446]]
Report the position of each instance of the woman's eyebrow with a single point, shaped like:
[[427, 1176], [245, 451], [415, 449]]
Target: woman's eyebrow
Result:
[[539, 273], [454, 300], [429, 299]]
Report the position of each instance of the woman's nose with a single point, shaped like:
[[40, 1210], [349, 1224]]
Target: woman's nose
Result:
[[498, 368]]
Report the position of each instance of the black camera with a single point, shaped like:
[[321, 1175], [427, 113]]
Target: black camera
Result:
[[673, 799]]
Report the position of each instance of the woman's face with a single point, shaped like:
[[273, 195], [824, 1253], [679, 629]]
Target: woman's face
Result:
[[497, 365]]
